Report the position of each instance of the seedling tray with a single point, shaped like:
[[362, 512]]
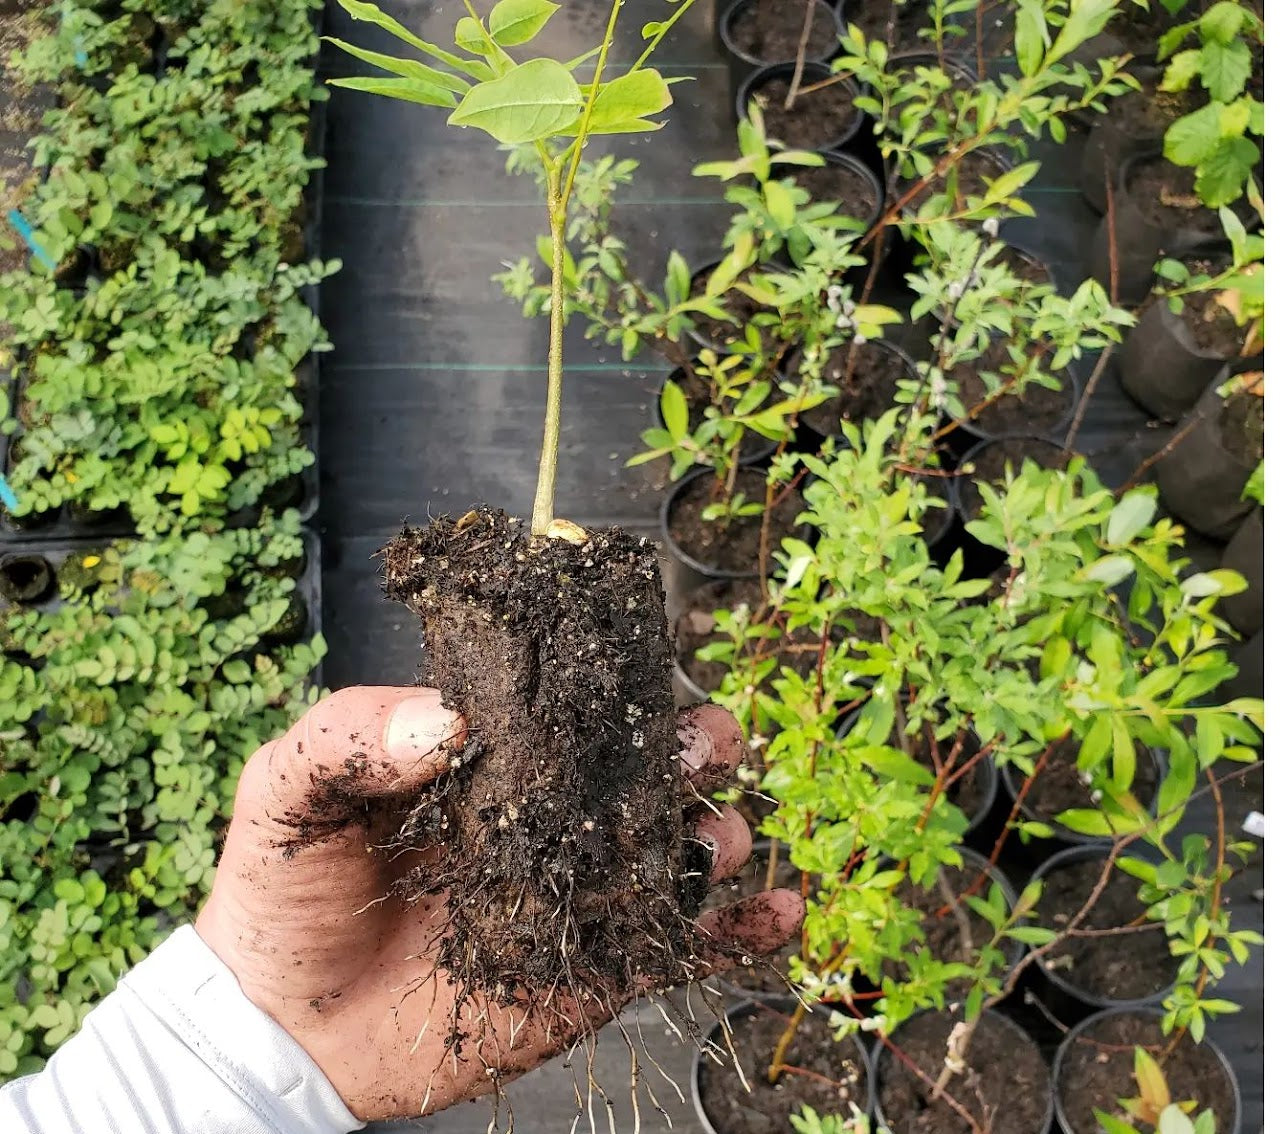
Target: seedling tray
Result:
[[53, 556]]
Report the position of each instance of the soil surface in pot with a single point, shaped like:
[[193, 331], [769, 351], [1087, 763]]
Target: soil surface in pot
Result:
[[814, 122], [908, 19], [769, 1106], [1120, 967], [857, 197], [557, 651], [969, 177], [1093, 1075], [695, 627], [1006, 1086], [1037, 409], [735, 546], [989, 465], [1150, 110], [867, 377], [948, 937], [739, 305], [1241, 424], [771, 32], [1024, 265], [1167, 195], [1059, 786], [1212, 327], [967, 793]]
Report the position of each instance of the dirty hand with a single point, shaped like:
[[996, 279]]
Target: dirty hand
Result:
[[315, 939]]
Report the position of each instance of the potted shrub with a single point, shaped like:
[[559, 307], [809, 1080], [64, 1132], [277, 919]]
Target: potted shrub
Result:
[[1024, 670]]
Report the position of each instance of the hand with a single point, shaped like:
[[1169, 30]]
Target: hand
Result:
[[302, 908]]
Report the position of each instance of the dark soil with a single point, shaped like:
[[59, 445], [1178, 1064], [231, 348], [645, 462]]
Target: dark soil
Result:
[[1125, 967], [1037, 409], [1059, 786], [909, 19], [858, 197], [1150, 110], [770, 31], [967, 178], [25, 578], [767, 1109], [989, 466], [695, 627], [1213, 328], [1005, 1086], [944, 934], [1139, 31], [739, 305], [868, 387], [816, 121], [1094, 1076], [1242, 419], [1168, 197], [561, 820], [734, 546]]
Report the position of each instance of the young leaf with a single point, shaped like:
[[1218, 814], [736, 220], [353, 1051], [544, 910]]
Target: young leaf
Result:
[[675, 411], [530, 103], [623, 103], [1133, 513], [1151, 1082], [371, 13], [407, 90], [409, 68], [1174, 1121], [513, 22]]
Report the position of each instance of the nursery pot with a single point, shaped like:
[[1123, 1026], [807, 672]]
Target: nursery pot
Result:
[[997, 421], [832, 123], [718, 594], [841, 167], [722, 6], [823, 45], [1112, 140], [25, 578], [1202, 477], [1001, 1053], [987, 785], [1202, 1060], [1244, 554], [755, 448], [704, 340], [981, 558], [1153, 768], [1143, 233], [745, 1021], [878, 357], [1067, 999], [706, 553], [1162, 367]]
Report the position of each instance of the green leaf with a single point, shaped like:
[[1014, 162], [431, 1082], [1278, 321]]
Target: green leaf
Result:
[[1111, 1124], [1224, 69], [371, 13], [1221, 23], [1085, 821], [1109, 570], [1174, 1121], [780, 203], [1181, 70], [1031, 37], [468, 34], [407, 90], [1133, 513], [1221, 177], [530, 103], [624, 102], [675, 411], [513, 22], [1123, 756], [1033, 935], [1194, 136], [409, 68]]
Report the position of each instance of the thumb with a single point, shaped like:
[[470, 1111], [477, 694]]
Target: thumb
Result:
[[359, 743]]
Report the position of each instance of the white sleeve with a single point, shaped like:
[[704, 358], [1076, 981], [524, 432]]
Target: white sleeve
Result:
[[177, 1048]]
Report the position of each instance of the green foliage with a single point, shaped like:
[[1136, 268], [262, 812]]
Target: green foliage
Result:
[[1217, 140], [167, 383], [126, 713], [1153, 1109]]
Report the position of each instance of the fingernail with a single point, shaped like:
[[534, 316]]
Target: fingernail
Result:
[[420, 726], [695, 746]]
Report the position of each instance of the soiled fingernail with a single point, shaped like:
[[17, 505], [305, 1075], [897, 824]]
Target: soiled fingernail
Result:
[[710, 735], [695, 746], [421, 726]]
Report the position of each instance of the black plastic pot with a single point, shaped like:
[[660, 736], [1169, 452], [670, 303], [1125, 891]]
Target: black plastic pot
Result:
[[755, 449], [1161, 366], [1043, 849], [26, 578], [854, 167], [980, 558], [742, 64], [685, 684], [1249, 658], [809, 422], [700, 339], [1202, 478], [722, 6], [1017, 1037], [1179, 1090], [742, 1015], [1066, 1001], [1142, 237], [1111, 142], [1244, 554], [847, 136], [985, 769], [675, 493], [971, 431]]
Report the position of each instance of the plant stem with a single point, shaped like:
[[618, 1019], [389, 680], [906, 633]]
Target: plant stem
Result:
[[798, 73], [544, 499]]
